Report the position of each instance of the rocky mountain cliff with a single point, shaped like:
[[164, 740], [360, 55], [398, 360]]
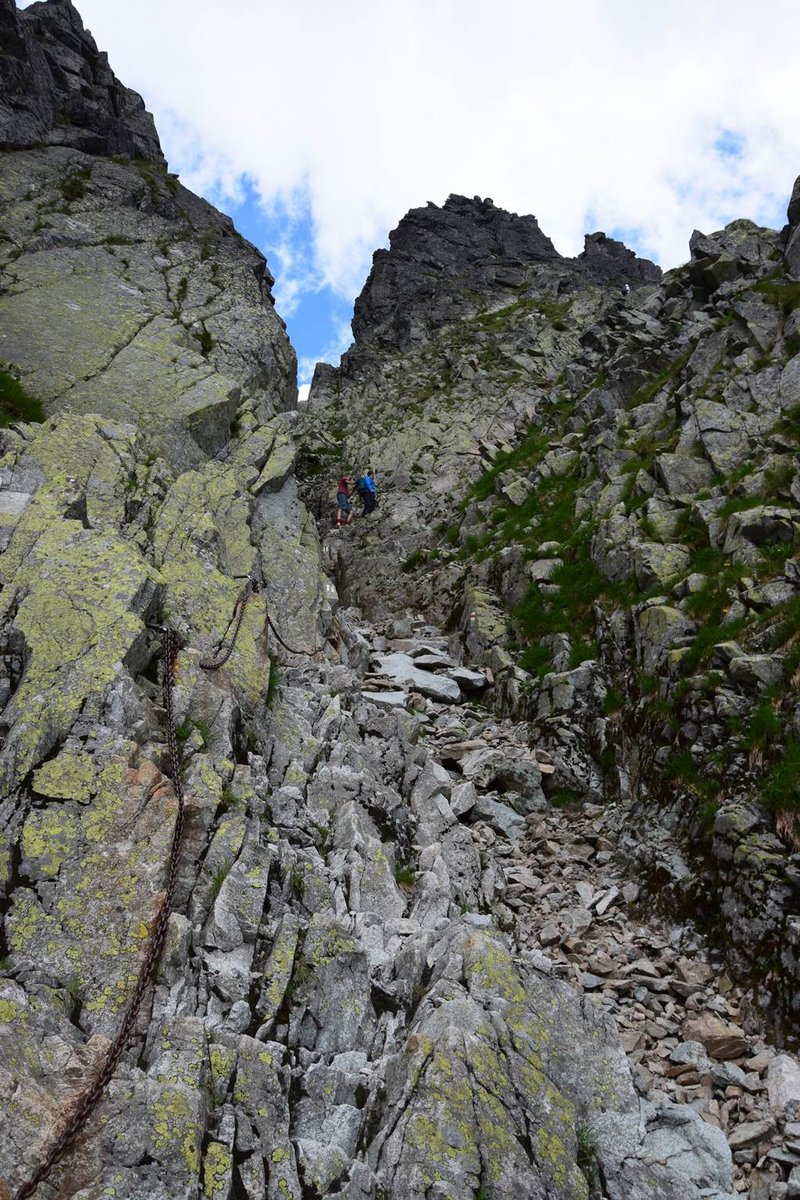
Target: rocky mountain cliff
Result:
[[123, 293], [437, 766], [598, 494]]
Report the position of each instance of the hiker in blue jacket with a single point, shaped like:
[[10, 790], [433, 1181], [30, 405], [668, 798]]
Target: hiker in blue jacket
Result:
[[368, 492]]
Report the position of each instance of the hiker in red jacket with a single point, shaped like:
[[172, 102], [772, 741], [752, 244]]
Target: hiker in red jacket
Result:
[[344, 509]]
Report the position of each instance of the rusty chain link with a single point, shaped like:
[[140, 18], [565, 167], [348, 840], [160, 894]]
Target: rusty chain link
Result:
[[82, 1106], [84, 1103], [223, 651], [284, 644]]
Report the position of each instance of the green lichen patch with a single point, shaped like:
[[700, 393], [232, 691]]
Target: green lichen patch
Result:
[[82, 595], [489, 970], [177, 1130], [221, 1062], [278, 970], [9, 1011], [48, 837], [217, 1169], [90, 930], [70, 776], [203, 549]]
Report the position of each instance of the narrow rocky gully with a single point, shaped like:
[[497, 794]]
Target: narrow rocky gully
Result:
[[412, 951], [484, 831]]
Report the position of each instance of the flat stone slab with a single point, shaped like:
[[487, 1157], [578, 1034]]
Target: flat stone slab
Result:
[[748, 1133], [502, 818], [386, 699], [401, 668], [13, 504], [434, 662]]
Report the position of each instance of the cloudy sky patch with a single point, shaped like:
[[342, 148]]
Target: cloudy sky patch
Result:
[[318, 125]]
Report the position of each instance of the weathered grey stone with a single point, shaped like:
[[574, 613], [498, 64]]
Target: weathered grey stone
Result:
[[542, 569], [656, 565], [694, 1150], [749, 1133], [758, 670], [467, 680], [386, 699], [658, 629], [762, 526], [783, 1082], [401, 668], [463, 797], [502, 818], [683, 476]]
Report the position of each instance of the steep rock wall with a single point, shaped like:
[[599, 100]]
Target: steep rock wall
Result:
[[109, 268], [335, 1012]]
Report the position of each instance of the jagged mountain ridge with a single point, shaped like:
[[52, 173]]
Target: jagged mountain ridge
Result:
[[446, 263], [641, 454], [336, 1013]]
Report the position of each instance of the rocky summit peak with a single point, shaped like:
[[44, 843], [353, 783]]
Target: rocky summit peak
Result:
[[468, 255], [441, 260], [57, 89]]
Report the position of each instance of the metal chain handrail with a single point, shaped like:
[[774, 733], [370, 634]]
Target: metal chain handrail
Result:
[[225, 645], [83, 1104], [284, 644], [223, 651]]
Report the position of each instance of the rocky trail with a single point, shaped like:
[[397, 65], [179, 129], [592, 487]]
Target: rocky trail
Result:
[[551, 878]]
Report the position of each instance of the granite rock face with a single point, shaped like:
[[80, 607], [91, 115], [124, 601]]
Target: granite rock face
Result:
[[446, 263], [122, 293], [57, 89]]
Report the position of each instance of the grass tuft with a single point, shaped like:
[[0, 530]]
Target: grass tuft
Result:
[[15, 403]]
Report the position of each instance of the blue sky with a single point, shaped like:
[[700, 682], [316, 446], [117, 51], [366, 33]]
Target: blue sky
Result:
[[318, 125], [317, 317]]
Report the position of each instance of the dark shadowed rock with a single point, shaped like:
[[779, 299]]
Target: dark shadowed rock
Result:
[[466, 257], [439, 258], [610, 260], [57, 89], [791, 233]]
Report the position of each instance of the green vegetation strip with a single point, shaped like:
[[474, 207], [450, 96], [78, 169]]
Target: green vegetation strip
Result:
[[15, 403]]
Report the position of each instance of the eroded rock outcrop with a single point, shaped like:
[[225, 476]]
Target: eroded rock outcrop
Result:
[[123, 293]]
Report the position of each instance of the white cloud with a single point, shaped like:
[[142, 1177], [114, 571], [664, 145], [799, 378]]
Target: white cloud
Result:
[[365, 108]]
